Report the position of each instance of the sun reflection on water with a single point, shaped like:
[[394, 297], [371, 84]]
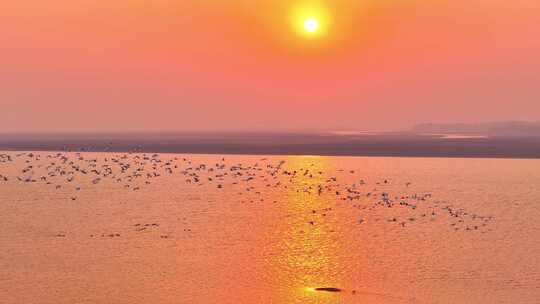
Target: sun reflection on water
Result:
[[307, 244]]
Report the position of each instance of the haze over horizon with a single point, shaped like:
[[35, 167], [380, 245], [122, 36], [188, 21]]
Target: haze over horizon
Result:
[[120, 66]]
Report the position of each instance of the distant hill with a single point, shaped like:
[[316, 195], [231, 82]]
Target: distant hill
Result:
[[506, 129]]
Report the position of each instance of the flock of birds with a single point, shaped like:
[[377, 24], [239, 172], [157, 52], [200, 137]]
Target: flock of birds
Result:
[[72, 172]]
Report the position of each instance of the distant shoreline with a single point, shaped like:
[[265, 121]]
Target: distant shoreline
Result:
[[381, 145]]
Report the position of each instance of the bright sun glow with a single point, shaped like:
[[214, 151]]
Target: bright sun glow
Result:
[[310, 19], [311, 25]]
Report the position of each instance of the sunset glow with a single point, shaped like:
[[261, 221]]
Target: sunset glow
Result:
[[270, 151], [219, 63], [311, 25], [311, 19]]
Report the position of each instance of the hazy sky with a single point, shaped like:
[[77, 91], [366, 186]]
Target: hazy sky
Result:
[[140, 65]]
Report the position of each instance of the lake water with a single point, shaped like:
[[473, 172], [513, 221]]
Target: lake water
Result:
[[143, 228]]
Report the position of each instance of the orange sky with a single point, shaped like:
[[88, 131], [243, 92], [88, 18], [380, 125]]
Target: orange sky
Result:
[[134, 65]]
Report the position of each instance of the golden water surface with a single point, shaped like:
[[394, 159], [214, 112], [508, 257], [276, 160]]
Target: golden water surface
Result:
[[143, 228]]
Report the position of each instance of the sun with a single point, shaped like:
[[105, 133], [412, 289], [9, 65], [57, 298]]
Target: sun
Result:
[[311, 25], [310, 20]]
